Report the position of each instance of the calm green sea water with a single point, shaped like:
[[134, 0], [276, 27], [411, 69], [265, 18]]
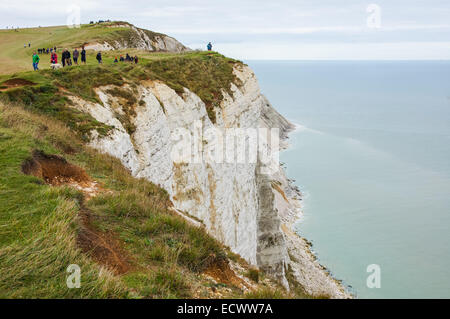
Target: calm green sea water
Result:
[[372, 156]]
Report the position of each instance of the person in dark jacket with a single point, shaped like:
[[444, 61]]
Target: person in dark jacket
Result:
[[63, 58], [99, 57], [83, 56], [75, 56], [68, 58], [209, 46], [136, 59]]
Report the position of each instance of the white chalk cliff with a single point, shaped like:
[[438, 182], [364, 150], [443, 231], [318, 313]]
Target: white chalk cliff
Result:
[[139, 39], [249, 211]]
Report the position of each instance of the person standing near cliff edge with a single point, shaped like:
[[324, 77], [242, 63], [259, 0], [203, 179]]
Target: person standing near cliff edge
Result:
[[209, 46], [99, 58]]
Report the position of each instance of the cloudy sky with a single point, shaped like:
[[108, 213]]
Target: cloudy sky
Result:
[[259, 29]]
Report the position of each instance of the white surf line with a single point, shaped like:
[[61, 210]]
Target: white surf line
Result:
[[301, 128]]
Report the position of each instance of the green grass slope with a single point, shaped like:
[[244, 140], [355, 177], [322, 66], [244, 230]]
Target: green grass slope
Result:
[[39, 223], [15, 58]]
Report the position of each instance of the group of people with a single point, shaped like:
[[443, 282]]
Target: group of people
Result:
[[127, 58], [66, 57], [46, 51]]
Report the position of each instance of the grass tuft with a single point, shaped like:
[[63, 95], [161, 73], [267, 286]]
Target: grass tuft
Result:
[[253, 274], [265, 293]]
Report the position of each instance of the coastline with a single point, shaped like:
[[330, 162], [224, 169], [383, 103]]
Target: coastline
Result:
[[315, 278]]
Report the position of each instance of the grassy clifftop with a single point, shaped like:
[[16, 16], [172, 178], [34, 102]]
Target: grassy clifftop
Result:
[[204, 73], [15, 58]]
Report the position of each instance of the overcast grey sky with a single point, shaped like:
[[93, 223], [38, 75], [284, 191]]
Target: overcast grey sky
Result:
[[284, 29]]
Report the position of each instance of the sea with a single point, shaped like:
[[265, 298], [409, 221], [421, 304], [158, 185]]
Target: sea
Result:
[[371, 156]]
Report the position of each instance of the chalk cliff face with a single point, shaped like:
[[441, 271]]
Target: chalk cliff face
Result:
[[139, 39], [249, 210]]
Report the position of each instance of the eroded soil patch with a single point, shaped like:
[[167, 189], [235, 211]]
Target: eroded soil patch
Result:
[[221, 272], [13, 83], [53, 169], [56, 171], [102, 247]]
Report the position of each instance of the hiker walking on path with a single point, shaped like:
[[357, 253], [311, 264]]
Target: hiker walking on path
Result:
[[35, 61], [83, 56], [75, 56], [99, 57], [136, 59], [209, 46]]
